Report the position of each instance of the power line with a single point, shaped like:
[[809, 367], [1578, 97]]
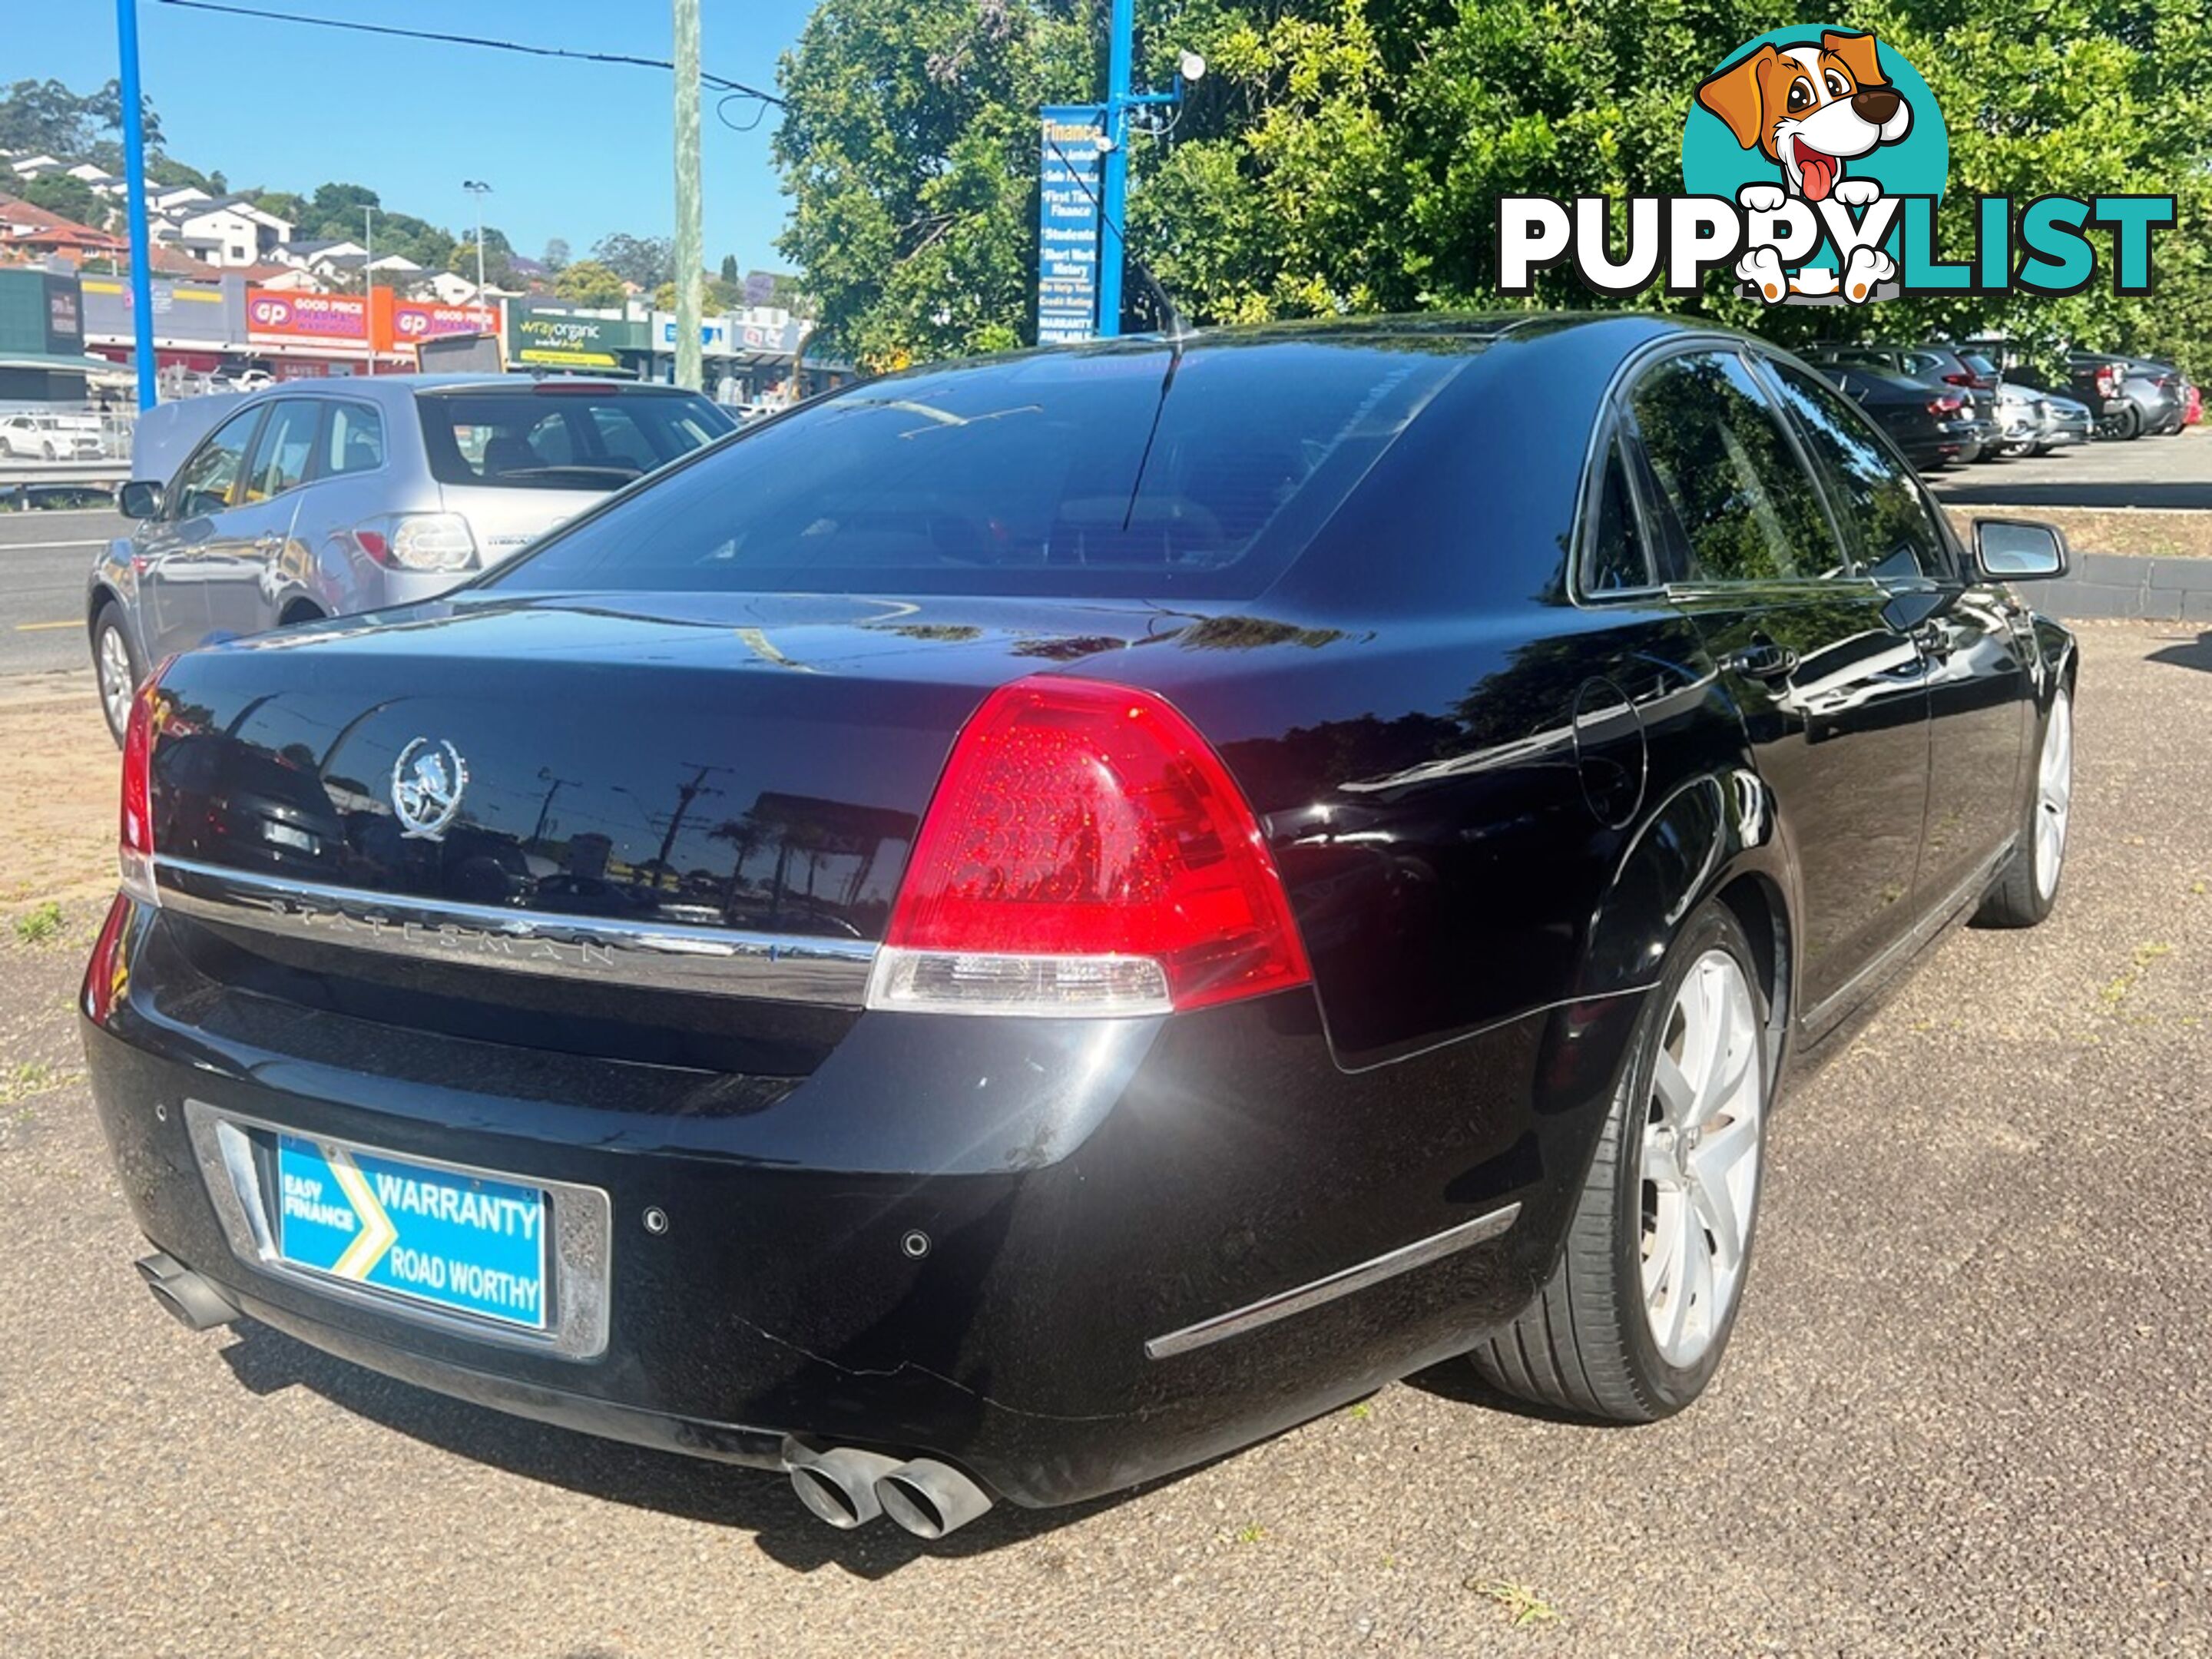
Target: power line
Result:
[[734, 89]]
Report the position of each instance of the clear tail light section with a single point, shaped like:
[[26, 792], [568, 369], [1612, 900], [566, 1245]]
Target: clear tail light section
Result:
[[418, 540], [1086, 852]]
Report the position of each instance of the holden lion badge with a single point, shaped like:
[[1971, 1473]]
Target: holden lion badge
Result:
[[427, 781]]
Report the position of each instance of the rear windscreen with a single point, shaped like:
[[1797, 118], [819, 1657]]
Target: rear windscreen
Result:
[[1078, 474], [560, 437]]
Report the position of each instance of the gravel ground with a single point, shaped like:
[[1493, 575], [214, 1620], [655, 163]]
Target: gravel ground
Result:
[[1965, 1411]]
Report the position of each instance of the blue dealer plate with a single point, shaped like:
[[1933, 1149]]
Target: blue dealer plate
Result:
[[462, 1242]]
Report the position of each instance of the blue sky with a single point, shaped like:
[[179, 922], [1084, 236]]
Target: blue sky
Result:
[[574, 150]]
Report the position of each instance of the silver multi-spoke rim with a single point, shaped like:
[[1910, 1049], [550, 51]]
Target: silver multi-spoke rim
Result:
[[115, 686], [1701, 1140], [2054, 794]]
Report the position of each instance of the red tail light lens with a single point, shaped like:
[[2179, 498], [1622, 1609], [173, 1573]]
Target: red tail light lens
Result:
[[108, 975], [1946, 405], [134, 844], [1086, 852], [1957, 378]]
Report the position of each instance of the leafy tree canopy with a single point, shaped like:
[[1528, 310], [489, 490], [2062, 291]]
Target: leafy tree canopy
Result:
[[589, 283], [1345, 156], [45, 115], [72, 199], [649, 261]]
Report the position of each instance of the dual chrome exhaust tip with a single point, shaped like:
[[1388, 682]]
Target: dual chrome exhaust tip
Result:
[[847, 1488], [844, 1486]]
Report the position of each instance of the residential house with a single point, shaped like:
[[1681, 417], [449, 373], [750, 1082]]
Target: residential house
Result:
[[33, 167], [28, 232], [448, 287], [231, 231]]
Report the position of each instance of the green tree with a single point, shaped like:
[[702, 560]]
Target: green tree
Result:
[[45, 116], [649, 261], [556, 257], [587, 282], [72, 199], [730, 268], [1346, 155]]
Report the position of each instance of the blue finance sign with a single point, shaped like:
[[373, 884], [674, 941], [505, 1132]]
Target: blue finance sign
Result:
[[1067, 224], [459, 1241]]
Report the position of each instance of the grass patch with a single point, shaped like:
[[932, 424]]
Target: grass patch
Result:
[[2115, 994], [28, 1078], [36, 926], [1521, 1605]]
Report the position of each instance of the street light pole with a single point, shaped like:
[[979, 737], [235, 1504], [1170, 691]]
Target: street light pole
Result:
[[134, 173], [477, 188]]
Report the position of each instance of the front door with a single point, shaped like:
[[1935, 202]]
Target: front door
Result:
[[241, 559], [1831, 692], [178, 551]]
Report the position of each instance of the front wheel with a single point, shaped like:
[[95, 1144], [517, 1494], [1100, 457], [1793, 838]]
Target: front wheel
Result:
[[2024, 893], [117, 666], [1632, 1324]]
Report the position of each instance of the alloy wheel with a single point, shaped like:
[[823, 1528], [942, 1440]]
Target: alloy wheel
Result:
[[2054, 794], [1701, 1158], [116, 685]]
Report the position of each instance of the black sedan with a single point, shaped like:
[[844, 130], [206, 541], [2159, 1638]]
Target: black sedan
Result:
[[1932, 424], [1161, 886]]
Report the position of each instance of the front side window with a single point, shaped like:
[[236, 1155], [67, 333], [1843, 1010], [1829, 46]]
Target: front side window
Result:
[[1886, 521], [1739, 505], [208, 479], [282, 453], [354, 441]]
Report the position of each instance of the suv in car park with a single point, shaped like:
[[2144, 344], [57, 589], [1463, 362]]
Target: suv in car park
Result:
[[1940, 366], [2136, 396], [49, 437], [309, 499]]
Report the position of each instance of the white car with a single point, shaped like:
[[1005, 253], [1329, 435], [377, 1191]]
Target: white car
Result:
[[50, 437]]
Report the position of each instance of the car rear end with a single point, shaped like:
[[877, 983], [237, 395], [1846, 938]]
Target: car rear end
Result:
[[483, 467], [768, 977]]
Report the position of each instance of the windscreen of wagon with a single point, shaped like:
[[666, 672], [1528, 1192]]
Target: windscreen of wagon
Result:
[[1079, 475]]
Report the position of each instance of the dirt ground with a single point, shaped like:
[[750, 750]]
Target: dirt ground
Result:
[[57, 795]]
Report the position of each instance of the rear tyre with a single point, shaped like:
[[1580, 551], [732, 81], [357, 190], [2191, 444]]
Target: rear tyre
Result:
[[1634, 1321], [116, 665], [2127, 424], [2025, 891]]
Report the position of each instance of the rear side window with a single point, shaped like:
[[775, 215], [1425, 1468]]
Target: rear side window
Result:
[[354, 440], [1065, 474], [1739, 505], [1886, 521], [1615, 559], [558, 436]]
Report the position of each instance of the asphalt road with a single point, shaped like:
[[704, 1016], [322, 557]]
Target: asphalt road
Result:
[[2148, 472], [1965, 1411], [44, 558]]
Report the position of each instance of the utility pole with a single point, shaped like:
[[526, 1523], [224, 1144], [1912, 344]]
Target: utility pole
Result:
[[134, 173], [690, 238], [369, 285], [477, 188]]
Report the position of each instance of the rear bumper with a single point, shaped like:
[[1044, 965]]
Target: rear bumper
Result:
[[1082, 1190]]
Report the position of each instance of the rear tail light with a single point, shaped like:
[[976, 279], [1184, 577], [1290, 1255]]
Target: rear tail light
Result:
[[1941, 406], [1956, 378], [134, 839], [418, 540], [108, 975], [1086, 853]]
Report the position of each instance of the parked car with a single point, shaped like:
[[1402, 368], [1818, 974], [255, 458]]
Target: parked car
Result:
[[309, 500], [1937, 364], [24, 435], [2193, 406], [2021, 420], [1237, 869], [1927, 421], [2133, 396], [2065, 422]]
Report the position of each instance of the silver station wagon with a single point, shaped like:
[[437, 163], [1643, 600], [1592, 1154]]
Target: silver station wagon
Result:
[[311, 500]]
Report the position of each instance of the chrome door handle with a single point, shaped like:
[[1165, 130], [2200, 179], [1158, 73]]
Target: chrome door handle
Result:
[[1762, 660]]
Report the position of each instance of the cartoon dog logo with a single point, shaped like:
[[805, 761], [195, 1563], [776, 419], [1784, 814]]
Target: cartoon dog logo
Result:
[[1810, 109]]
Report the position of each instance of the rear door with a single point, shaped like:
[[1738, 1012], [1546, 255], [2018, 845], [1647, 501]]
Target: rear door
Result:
[[241, 559], [1831, 690]]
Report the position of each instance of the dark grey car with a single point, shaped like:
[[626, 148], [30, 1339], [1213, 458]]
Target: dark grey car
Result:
[[320, 499], [1937, 364]]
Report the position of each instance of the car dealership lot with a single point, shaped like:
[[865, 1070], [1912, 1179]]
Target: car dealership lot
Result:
[[1964, 1412]]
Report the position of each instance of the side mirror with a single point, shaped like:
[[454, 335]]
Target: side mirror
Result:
[[2013, 549], [139, 499]]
